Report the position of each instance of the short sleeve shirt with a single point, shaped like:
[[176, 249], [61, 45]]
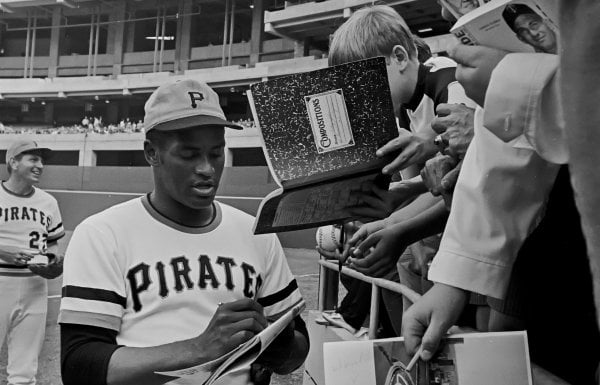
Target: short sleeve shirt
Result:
[[28, 223]]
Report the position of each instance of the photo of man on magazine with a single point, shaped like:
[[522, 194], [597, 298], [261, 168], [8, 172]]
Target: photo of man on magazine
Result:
[[391, 360], [531, 28]]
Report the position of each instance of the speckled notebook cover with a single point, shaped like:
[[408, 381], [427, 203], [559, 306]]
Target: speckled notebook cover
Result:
[[282, 105]]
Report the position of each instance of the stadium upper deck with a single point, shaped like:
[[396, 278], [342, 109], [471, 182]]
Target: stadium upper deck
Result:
[[61, 60]]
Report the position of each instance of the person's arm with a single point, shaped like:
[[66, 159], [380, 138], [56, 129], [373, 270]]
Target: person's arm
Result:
[[409, 149], [54, 267], [434, 172], [98, 353], [389, 243], [421, 204], [579, 81], [13, 256], [85, 353], [288, 351], [55, 231], [427, 320], [495, 206], [377, 203], [454, 124], [523, 98], [279, 293], [232, 324], [413, 185], [475, 66]]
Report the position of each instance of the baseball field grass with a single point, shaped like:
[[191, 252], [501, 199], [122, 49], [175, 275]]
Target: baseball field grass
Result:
[[303, 263]]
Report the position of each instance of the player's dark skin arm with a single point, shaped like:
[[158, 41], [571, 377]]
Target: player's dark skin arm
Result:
[[288, 351], [232, 324]]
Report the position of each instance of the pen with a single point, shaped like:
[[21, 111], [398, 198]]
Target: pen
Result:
[[414, 360], [342, 240]]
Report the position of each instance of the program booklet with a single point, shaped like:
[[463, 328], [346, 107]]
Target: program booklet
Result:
[[511, 25], [239, 358], [462, 359], [320, 131]]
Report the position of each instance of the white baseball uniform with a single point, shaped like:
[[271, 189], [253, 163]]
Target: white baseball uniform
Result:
[[27, 223], [155, 281]]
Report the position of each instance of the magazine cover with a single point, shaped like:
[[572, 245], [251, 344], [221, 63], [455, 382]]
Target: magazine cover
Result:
[[511, 25], [239, 358], [463, 359]]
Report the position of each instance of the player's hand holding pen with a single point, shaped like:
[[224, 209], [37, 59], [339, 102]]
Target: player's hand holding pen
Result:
[[232, 324]]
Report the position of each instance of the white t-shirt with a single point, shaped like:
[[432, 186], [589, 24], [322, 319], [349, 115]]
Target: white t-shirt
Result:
[[154, 281], [28, 223]]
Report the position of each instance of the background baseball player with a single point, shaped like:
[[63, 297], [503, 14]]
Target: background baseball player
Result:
[[174, 279], [30, 224]]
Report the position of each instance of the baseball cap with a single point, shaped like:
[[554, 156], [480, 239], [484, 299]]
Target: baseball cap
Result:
[[512, 11], [21, 146], [183, 104]]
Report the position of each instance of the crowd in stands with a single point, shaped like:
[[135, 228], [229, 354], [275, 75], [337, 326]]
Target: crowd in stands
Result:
[[89, 125]]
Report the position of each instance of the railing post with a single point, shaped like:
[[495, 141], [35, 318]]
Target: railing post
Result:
[[328, 288], [374, 313]]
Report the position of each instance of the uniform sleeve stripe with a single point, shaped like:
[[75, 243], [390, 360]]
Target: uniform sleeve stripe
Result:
[[91, 319], [279, 296], [276, 316], [93, 294], [9, 266], [55, 227], [56, 237]]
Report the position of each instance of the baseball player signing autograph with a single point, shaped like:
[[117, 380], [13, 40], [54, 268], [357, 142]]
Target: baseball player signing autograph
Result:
[[30, 227], [175, 279]]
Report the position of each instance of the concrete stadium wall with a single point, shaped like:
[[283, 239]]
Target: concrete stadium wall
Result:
[[84, 191]]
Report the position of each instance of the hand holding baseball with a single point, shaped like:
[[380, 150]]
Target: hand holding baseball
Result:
[[329, 238]]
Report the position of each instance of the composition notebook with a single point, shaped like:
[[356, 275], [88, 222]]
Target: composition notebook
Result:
[[320, 131]]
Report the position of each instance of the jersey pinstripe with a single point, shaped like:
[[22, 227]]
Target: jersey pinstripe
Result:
[[153, 281], [27, 223]]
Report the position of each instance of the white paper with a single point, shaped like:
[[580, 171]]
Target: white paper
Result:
[[463, 359], [240, 357], [329, 121]]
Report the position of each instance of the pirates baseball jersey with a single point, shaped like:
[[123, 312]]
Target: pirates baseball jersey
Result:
[[155, 281], [27, 223]]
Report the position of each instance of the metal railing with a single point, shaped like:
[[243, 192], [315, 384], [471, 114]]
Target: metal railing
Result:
[[328, 290]]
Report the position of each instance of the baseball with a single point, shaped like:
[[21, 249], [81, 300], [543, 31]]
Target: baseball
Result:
[[328, 238]]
